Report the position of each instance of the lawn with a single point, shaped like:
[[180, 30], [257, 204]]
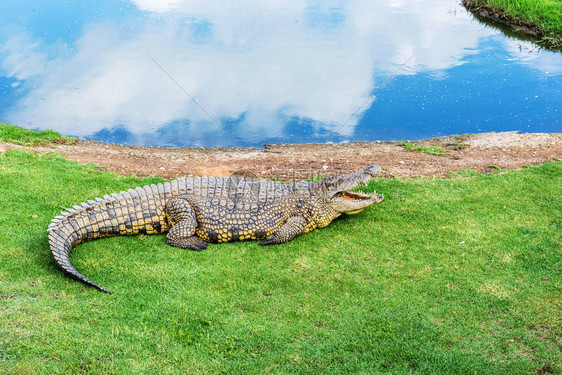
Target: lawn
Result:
[[451, 276]]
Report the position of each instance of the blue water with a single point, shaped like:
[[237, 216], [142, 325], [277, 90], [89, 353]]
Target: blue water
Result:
[[214, 73]]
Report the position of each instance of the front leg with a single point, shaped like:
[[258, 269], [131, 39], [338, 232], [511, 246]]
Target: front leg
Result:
[[182, 217], [294, 226]]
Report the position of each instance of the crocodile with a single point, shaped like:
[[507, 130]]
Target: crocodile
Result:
[[197, 210]]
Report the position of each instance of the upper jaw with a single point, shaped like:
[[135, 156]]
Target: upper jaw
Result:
[[346, 183], [362, 180]]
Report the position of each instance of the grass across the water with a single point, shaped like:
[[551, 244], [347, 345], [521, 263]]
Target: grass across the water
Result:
[[544, 16], [449, 276]]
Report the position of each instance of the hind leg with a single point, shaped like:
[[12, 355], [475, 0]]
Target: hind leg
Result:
[[181, 216]]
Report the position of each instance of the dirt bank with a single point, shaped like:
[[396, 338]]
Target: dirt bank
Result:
[[479, 152]]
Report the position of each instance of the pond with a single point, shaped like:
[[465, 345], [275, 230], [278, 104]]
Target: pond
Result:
[[215, 73]]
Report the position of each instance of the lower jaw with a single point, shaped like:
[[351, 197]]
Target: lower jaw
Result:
[[354, 212]]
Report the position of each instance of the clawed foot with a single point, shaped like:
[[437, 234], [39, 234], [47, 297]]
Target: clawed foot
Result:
[[192, 243], [268, 241], [196, 243]]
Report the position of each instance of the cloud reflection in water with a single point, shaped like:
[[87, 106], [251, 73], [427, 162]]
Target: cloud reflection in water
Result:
[[266, 72]]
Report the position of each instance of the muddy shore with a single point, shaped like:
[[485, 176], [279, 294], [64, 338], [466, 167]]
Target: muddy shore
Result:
[[479, 152]]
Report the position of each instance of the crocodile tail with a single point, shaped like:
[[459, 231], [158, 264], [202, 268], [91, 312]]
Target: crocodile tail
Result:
[[128, 213], [61, 244]]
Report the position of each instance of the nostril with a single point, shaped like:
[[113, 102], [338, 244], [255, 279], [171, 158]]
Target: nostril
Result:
[[373, 170]]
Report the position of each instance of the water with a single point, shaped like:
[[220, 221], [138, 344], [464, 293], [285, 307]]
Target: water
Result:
[[288, 72]]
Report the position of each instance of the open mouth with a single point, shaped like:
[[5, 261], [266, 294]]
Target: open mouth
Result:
[[355, 196]]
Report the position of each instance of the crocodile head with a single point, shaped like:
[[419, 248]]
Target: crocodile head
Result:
[[339, 191]]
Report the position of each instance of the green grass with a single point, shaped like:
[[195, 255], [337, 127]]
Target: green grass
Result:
[[430, 150], [546, 15], [446, 276], [20, 136]]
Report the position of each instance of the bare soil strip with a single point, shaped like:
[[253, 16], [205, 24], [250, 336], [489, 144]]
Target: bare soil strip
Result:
[[479, 152]]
